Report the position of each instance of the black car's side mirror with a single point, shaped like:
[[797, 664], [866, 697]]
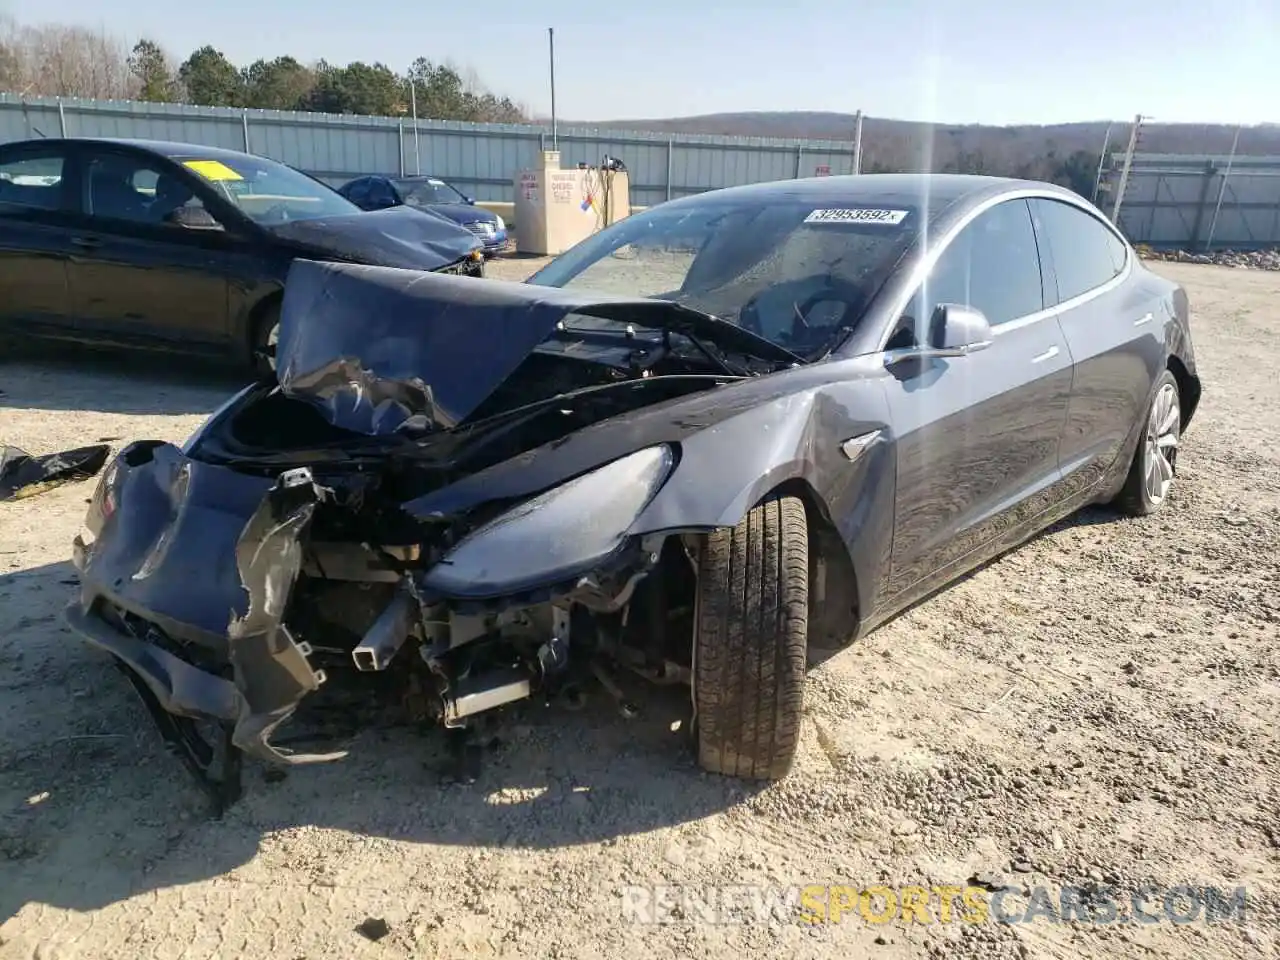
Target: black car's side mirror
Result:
[[956, 329], [194, 218]]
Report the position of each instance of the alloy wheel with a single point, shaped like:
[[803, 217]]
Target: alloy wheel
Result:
[[1163, 432]]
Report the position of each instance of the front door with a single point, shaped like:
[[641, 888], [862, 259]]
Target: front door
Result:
[[138, 274], [978, 435]]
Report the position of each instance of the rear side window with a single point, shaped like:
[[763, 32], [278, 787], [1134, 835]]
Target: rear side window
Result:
[[993, 265], [356, 191], [1085, 252], [31, 181]]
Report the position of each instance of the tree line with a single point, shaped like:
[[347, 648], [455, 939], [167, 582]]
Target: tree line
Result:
[[70, 61]]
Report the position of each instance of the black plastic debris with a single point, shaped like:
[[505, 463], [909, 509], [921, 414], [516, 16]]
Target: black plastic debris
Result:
[[22, 475], [373, 928]]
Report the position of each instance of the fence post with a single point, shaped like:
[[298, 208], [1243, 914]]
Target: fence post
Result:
[[62, 118], [244, 125], [799, 160], [671, 149], [1205, 179]]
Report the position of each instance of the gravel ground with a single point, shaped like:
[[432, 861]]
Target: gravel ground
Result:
[[1098, 707]]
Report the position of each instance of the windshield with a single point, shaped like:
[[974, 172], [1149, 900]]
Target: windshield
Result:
[[423, 193], [269, 192], [798, 273]]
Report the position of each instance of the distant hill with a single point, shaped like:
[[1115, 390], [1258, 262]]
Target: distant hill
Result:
[[971, 148]]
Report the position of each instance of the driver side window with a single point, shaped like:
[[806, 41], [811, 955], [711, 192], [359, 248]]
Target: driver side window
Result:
[[993, 264], [128, 188]]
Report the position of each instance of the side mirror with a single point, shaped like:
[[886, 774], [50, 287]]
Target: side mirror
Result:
[[470, 200], [194, 218], [955, 330]]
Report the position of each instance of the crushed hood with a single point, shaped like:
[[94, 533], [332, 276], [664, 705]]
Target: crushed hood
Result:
[[379, 349], [398, 237]]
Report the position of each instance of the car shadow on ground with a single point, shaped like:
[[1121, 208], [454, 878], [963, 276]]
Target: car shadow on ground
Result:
[[1086, 517], [74, 378], [93, 810]]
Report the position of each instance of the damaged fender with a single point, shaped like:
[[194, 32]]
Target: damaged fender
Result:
[[763, 433]]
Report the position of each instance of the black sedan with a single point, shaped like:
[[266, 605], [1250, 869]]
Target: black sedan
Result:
[[716, 436], [433, 195], [179, 246]]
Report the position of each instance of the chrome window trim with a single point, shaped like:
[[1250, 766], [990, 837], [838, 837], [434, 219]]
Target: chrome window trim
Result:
[[925, 267]]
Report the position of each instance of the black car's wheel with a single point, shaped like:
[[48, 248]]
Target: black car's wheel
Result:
[[1155, 460], [750, 638], [266, 334]]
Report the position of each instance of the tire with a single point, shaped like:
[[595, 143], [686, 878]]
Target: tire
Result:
[[750, 640], [1151, 473], [264, 347]]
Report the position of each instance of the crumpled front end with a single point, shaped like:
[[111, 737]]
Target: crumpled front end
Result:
[[452, 500], [185, 575], [230, 597]]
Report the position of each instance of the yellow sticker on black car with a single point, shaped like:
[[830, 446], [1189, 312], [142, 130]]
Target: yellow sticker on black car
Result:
[[214, 170]]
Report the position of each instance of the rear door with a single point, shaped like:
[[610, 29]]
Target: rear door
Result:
[[1113, 325], [978, 436], [137, 275], [37, 202]]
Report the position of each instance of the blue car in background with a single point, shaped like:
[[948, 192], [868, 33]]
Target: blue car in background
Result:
[[431, 194]]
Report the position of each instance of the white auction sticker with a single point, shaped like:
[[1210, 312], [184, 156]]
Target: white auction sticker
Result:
[[857, 215]]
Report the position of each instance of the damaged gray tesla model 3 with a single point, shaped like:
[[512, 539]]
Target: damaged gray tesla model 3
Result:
[[800, 408]]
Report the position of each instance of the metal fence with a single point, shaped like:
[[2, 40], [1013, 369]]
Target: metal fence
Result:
[[1198, 202], [1170, 201], [482, 158]]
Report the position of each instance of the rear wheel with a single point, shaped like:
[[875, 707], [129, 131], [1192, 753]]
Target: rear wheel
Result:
[[1155, 461], [750, 641]]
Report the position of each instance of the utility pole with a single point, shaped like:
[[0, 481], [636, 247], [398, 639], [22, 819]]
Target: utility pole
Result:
[[1124, 173], [551, 44], [1222, 188], [1097, 181], [413, 105], [857, 142]]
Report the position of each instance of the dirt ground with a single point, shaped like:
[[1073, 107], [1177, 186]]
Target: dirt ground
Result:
[[1100, 706]]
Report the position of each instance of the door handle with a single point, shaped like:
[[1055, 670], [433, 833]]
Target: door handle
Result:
[[87, 242], [1047, 355], [1145, 318]]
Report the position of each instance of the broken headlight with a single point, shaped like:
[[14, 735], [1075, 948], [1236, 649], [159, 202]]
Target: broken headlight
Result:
[[557, 535]]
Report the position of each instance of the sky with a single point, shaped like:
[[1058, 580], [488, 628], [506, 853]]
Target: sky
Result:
[[947, 61]]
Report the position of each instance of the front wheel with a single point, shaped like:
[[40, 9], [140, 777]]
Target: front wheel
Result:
[[266, 337], [750, 640], [1155, 461]]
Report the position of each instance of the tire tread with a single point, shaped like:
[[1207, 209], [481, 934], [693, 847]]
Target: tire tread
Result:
[[751, 642]]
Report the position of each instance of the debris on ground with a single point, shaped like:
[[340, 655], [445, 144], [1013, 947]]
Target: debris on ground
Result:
[[1240, 259], [373, 928], [22, 475]]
